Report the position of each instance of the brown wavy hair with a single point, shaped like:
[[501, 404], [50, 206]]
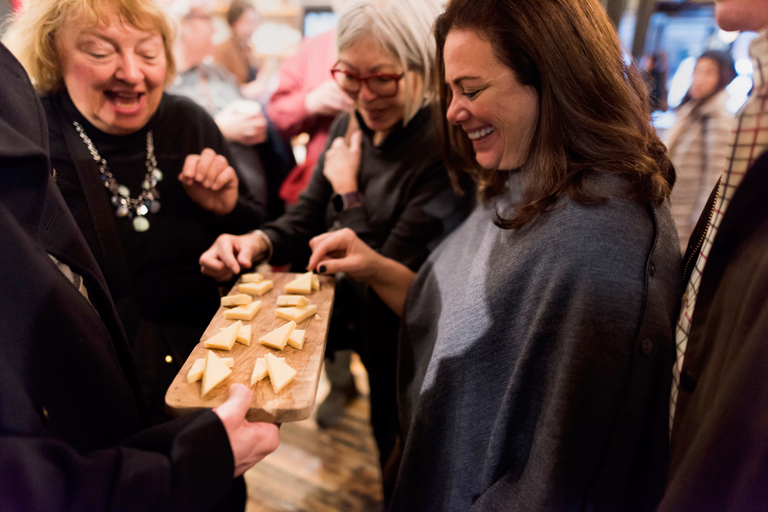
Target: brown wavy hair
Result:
[[593, 115]]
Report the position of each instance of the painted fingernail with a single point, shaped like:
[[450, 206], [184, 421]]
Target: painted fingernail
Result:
[[321, 269]]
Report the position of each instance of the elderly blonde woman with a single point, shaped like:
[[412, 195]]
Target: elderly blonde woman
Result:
[[73, 428], [145, 174], [381, 175]]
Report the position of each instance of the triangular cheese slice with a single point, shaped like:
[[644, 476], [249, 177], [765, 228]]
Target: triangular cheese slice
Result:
[[243, 335], [291, 300], [215, 372], [255, 288], [302, 284], [280, 374], [196, 372], [236, 300], [296, 339], [259, 370], [315, 282], [253, 277], [279, 337], [297, 314], [246, 312], [224, 339]]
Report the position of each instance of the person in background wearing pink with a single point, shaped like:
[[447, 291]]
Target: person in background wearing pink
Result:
[[307, 101]]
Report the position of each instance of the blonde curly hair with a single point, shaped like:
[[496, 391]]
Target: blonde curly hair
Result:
[[32, 34]]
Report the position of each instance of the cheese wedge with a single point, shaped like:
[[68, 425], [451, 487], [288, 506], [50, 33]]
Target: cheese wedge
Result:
[[291, 300], [297, 314], [243, 312], [256, 288], [243, 336], [279, 337], [253, 277], [236, 300], [259, 370], [196, 372], [215, 371], [280, 374], [225, 338], [315, 282], [296, 339], [302, 284]]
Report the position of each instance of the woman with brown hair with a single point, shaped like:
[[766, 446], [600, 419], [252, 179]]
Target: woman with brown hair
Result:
[[537, 338], [698, 141]]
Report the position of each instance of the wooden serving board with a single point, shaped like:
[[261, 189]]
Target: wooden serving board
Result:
[[296, 400]]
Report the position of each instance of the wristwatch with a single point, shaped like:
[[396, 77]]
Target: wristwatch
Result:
[[343, 202]]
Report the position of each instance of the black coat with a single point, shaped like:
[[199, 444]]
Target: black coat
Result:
[[719, 440], [71, 414]]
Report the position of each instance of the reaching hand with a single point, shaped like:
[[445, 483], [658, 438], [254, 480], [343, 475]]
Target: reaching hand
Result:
[[342, 163], [229, 254], [343, 251], [327, 99], [250, 442], [210, 181]]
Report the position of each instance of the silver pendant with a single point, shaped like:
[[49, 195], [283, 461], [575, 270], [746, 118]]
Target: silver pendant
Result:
[[140, 224]]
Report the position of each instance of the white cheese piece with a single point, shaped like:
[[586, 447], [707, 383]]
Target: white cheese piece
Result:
[[302, 284], [280, 374], [243, 312], [215, 372], [256, 288], [318, 317], [279, 337], [315, 282], [291, 300], [196, 372], [243, 336], [259, 370], [297, 314], [296, 339], [253, 277], [236, 300], [225, 338]]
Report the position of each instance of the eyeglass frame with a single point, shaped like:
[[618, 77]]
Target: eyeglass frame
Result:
[[363, 80]]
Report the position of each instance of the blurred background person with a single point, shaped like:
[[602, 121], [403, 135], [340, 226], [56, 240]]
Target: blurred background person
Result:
[[698, 140], [145, 174], [307, 100], [237, 54], [537, 338], [382, 176], [261, 155]]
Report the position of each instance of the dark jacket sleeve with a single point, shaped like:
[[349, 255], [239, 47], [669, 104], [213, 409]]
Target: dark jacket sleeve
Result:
[[184, 465], [431, 212], [290, 234]]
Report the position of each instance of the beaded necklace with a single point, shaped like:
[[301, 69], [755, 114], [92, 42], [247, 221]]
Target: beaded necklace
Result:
[[126, 206]]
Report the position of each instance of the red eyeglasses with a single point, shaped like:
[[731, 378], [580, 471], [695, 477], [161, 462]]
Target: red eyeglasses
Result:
[[381, 84]]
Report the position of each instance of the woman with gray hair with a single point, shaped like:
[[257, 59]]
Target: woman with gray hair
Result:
[[381, 175]]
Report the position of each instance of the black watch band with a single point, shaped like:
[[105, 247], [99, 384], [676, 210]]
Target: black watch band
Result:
[[343, 202]]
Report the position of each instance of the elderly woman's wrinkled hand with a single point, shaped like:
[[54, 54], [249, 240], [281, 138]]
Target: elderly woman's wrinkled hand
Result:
[[210, 181], [342, 163]]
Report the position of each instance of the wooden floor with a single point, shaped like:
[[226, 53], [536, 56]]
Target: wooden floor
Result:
[[316, 470]]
